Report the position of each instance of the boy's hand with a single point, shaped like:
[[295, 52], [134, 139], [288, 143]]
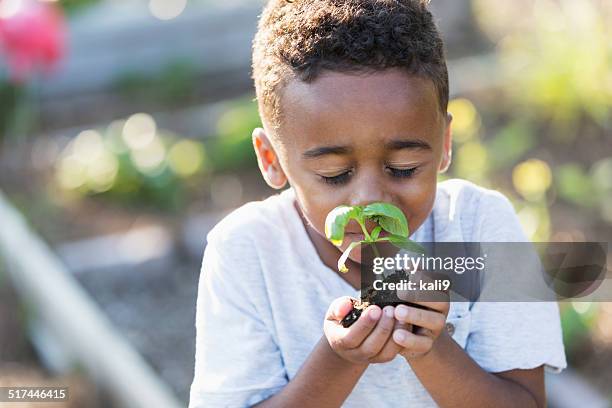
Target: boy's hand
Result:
[[369, 339], [429, 323]]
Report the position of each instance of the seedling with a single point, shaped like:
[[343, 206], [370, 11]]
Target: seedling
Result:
[[388, 218]]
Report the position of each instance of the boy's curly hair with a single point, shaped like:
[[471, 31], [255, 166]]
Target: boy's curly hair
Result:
[[301, 38]]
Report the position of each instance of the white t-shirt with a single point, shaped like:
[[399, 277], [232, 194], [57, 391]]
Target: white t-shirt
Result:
[[264, 292]]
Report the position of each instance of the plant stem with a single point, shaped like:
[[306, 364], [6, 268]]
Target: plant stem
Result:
[[368, 237], [365, 231], [375, 249]]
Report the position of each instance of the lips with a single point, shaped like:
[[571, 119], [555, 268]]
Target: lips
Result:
[[354, 236], [354, 228], [358, 236]]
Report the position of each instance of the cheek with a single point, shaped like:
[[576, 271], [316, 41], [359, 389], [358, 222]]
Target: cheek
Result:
[[316, 202], [417, 201]]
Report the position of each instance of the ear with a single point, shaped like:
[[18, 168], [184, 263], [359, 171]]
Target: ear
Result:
[[447, 145], [267, 160]]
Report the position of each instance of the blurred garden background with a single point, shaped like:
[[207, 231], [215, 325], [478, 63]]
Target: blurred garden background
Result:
[[125, 136]]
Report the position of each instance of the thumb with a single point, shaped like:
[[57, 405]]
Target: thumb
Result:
[[339, 308]]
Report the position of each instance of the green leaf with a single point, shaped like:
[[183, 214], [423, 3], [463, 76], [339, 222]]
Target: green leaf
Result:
[[389, 217], [405, 243], [336, 222], [342, 261]]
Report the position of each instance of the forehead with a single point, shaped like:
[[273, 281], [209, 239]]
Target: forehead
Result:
[[345, 107]]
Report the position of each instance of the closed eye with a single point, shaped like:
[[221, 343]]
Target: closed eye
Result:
[[342, 178], [402, 173]]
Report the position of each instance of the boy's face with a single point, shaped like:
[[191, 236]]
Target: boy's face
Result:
[[357, 139]]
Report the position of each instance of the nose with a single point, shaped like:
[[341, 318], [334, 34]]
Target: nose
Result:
[[369, 190]]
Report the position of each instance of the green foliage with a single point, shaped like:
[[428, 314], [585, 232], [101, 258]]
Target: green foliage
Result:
[[131, 162], [555, 57], [153, 167], [388, 217], [177, 81], [72, 6], [336, 222], [513, 148], [232, 148], [510, 144], [159, 190], [576, 326], [13, 107], [174, 84], [403, 243], [7, 105], [575, 186]]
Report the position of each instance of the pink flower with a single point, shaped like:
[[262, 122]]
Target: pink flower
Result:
[[32, 38]]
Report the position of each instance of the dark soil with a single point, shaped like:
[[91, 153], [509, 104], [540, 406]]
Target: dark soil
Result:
[[354, 314], [380, 299]]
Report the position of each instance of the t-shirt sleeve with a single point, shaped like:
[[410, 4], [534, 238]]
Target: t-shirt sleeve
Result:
[[511, 335], [237, 363]]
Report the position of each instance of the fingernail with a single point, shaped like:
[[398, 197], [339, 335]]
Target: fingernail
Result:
[[401, 313], [399, 336], [388, 311], [338, 311], [374, 313]]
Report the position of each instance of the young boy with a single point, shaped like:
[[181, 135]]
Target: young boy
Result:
[[353, 96]]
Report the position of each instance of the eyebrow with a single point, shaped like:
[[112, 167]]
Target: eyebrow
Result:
[[413, 144], [325, 150]]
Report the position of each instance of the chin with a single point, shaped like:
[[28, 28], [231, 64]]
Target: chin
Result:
[[356, 255]]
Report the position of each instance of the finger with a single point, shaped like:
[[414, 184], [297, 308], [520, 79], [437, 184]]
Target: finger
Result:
[[421, 331], [441, 307], [406, 295], [355, 335], [418, 295], [412, 343], [434, 299], [391, 348], [339, 308], [374, 343], [428, 319]]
